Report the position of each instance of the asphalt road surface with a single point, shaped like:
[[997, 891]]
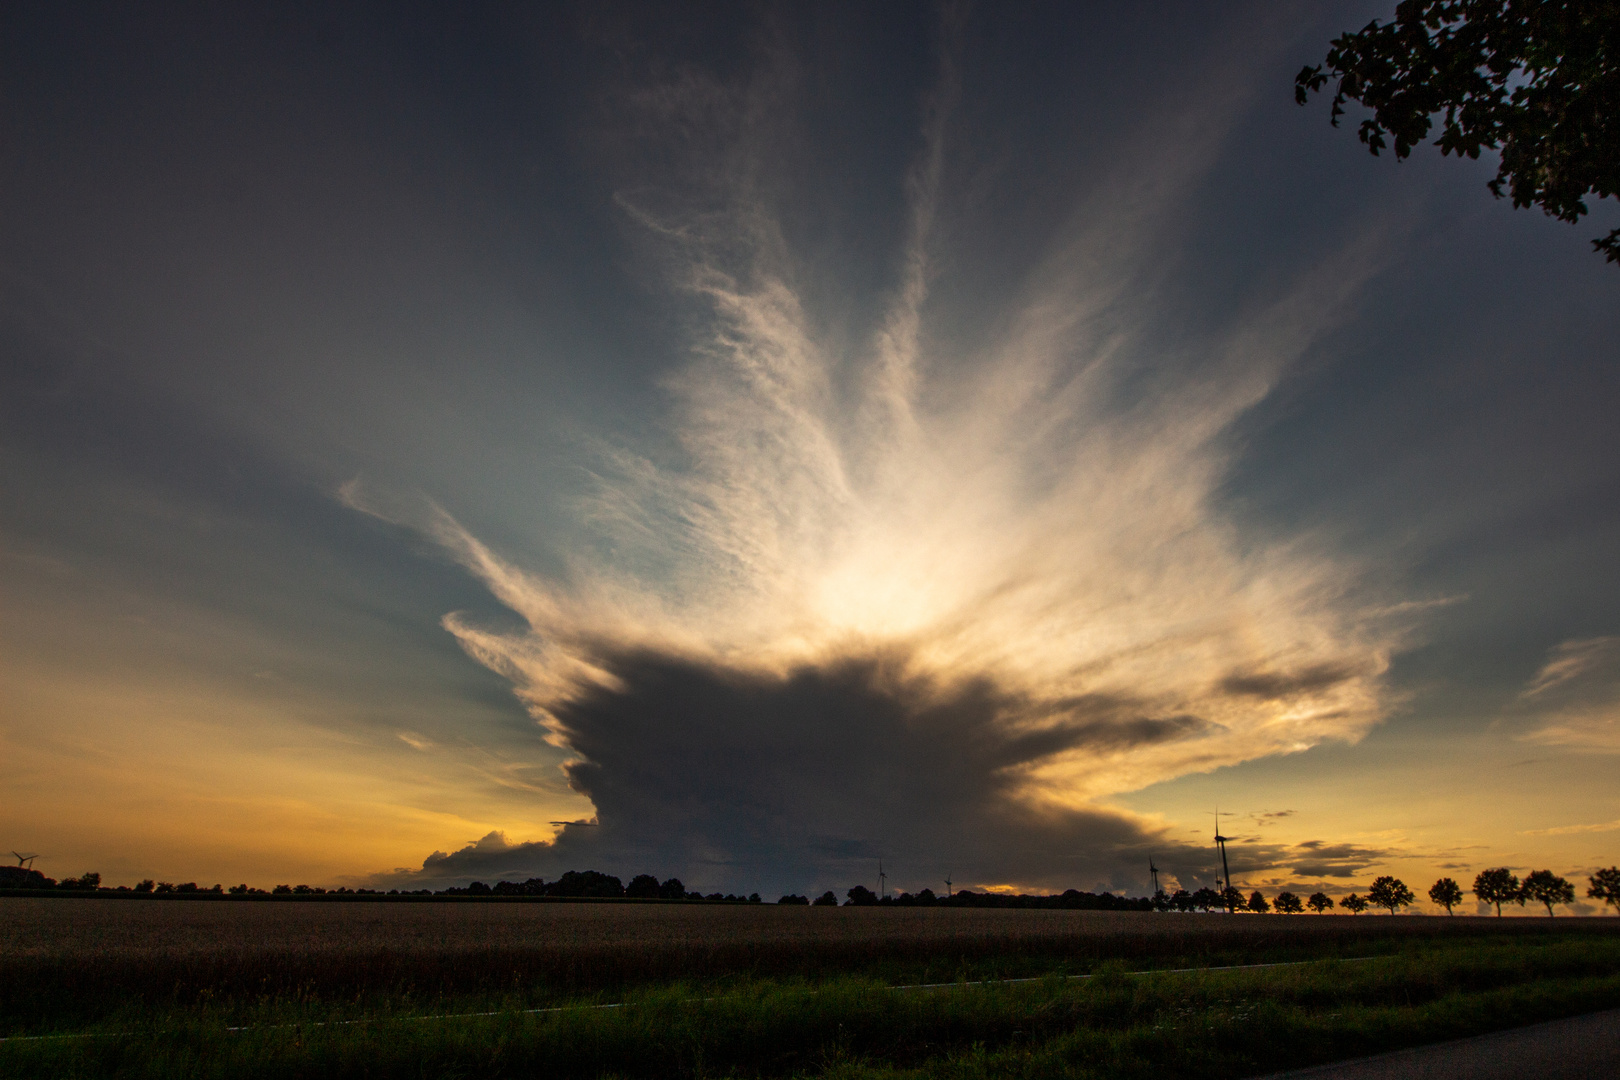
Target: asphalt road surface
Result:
[[1582, 1046]]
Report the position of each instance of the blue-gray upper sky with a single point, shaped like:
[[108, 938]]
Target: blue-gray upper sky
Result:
[[982, 437]]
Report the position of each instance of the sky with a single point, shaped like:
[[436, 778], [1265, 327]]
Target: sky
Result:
[[746, 442]]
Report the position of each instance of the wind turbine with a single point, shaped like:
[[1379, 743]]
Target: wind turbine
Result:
[[1154, 870], [1220, 842], [26, 861], [883, 882], [947, 886]]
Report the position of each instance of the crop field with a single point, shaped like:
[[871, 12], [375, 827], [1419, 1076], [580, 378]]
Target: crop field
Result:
[[82, 950], [197, 988]]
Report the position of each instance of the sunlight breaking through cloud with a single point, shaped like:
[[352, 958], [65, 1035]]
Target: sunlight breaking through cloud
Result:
[[1036, 527]]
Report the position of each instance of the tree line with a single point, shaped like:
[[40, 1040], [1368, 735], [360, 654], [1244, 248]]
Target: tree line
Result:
[[1496, 886]]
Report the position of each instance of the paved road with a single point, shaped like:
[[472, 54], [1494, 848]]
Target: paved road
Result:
[[1580, 1047]]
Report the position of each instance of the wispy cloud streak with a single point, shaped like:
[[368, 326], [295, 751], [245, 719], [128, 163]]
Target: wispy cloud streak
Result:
[[1576, 696]]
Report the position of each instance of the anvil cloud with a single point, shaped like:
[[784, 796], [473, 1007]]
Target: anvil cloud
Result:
[[881, 594]]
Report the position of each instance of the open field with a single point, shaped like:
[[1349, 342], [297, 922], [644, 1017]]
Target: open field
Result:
[[328, 989], [83, 951]]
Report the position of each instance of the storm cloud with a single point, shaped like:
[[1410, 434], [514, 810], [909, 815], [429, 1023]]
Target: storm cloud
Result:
[[741, 779], [876, 592]]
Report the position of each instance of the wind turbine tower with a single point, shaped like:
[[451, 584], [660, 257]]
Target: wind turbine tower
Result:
[[883, 882], [1220, 842], [1154, 870], [947, 886]]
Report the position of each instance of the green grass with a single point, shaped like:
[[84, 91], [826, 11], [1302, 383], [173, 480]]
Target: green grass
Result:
[[1207, 1024]]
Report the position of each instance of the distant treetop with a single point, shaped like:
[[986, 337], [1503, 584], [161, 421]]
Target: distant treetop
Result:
[[1605, 885], [1498, 886]]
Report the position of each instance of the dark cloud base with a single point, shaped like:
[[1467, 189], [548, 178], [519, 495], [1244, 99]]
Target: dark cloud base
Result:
[[740, 780]]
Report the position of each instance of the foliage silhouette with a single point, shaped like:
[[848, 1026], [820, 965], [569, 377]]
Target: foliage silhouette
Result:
[[1546, 887], [1605, 885], [1288, 904], [1498, 886], [1446, 893], [642, 887], [1539, 81], [1319, 902], [1390, 892]]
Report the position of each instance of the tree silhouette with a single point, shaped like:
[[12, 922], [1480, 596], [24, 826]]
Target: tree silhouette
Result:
[[1354, 904], [672, 890], [1390, 892], [1257, 903], [861, 896], [1319, 902], [1498, 886], [1446, 893], [584, 883], [642, 887], [1288, 904], [1232, 899], [1605, 885], [1546, 887], [1538, 80], [826, 899], [1207, 899]]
